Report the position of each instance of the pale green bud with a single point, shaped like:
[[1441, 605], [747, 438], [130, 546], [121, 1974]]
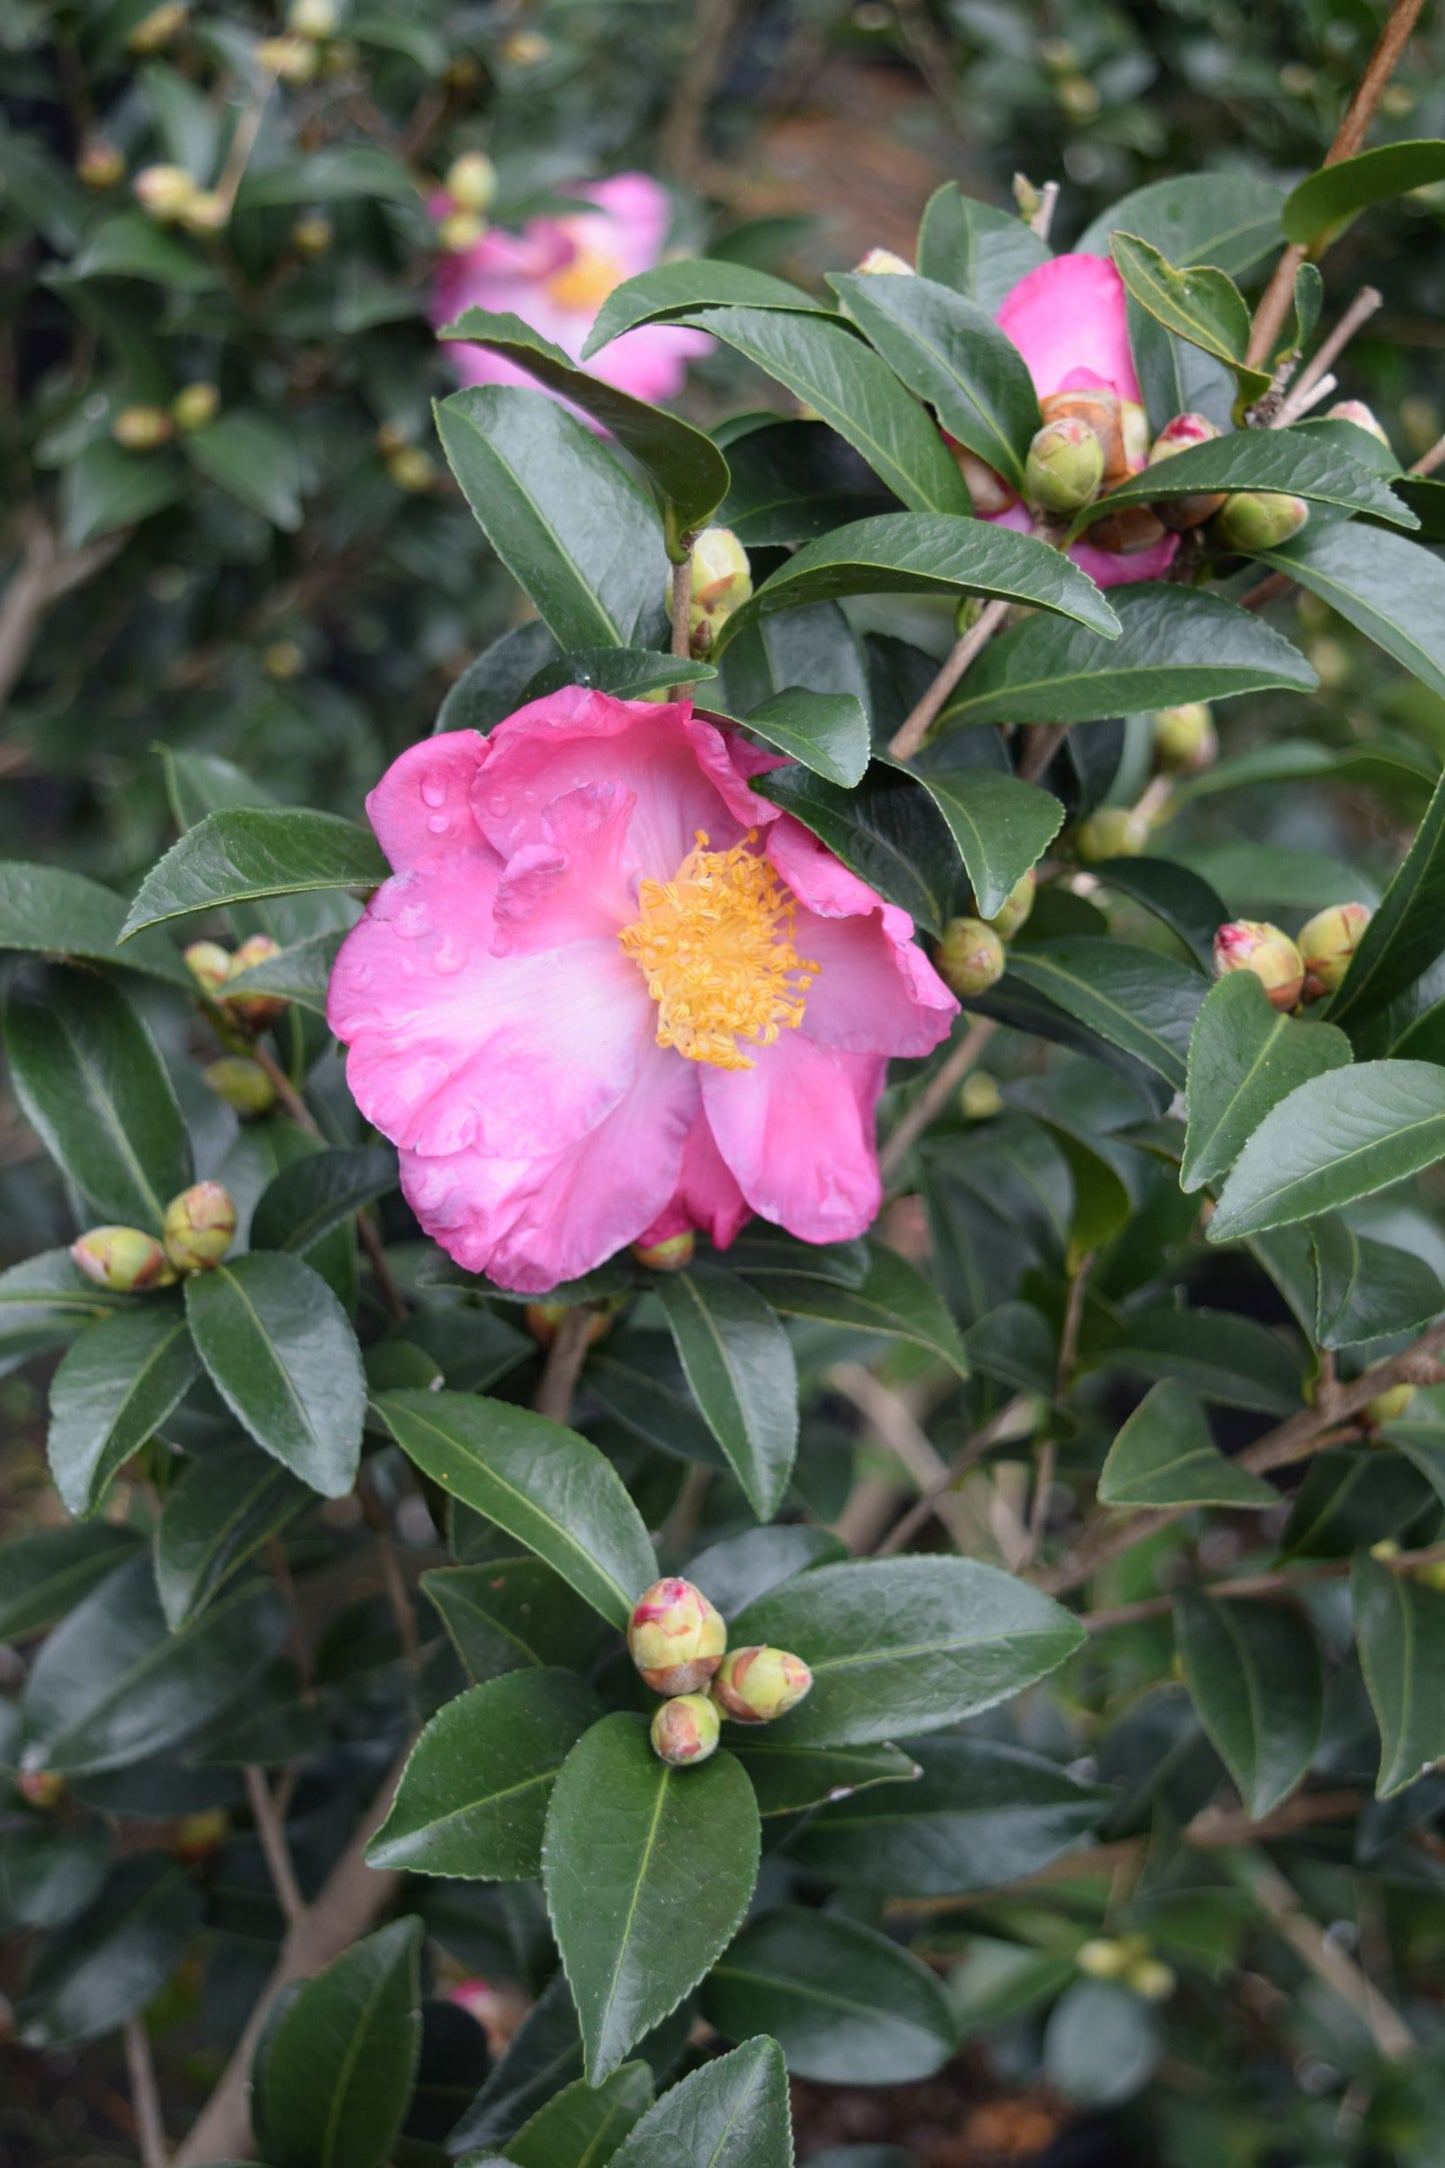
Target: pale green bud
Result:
[[471, 181], [673, 1254], [970, 957], [258, 1010], [1251, 944], [208, 964], [757, 1685], [207, 212], [125, 1259], [312, 18], [242, 1083], [460, 230], [100, 164], [675, 1637], [1363, 417], [1114, 831], [979, 1097], [1327, 942], [142, 428], [1065, 466], [1017, 905], [883, 260], [155, 31], [195, 406], [290, 59], [1185, 740], [1102, 1959], [200, 1227], [722, 581], [163, 191], [1152, 1979], [1251, 521], [685, 1730], [1393, 1402]]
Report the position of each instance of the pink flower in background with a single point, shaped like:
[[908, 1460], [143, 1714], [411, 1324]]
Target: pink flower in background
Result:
[[557, 273], [1068, 318], [610, 994]]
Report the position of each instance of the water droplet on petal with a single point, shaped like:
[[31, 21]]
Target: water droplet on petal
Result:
[[434, 791], [439, 823], [451, 955]]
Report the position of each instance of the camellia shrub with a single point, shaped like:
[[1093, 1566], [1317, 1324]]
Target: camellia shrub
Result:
[[753, 1390]]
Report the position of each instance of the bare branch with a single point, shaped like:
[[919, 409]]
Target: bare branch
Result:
[[936, 1093], [269, 1829], [915, 728], [144, 2094]]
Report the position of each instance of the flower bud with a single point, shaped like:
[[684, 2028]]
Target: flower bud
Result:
[[258, 1010], [970, 957], [525, 48], [125, 1259], [673, 1254], [1185, 740], [988, 492], [42, 1788], [1327, 942], [412, 469], [1079, 96], [460, 230], [1119, 424], [242, 1083], [289, 59], [207, 211], [100, 164], [195, 406], [1065, 466], [283, 659], [1017, 905], [208, 964], [722, 581], [753, 1686], [1181, 435], [1249, 944], [543, 1320], [311, 18], [1363, 417], [979, 1097], [1431, 1575], [163, 191], [1250, 521], [200, 1227], [967, 615], [313, 235], [471, 181], [1123, 534], [685, 1730], [142, 428], [1102, 1959], [154, 31], [884, 260], [197, 1836], [675, 1637], [1114, 831], [1393, 1402], [1151, 1978]]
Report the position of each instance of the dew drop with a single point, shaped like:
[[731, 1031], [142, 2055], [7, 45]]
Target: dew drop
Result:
[[439, 823], [434, 791], [450, 956]]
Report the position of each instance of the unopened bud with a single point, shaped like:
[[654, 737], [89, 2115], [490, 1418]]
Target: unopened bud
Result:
[[967, 615], [289, 59], [757, 1685], [1079, 96], [685, 1730], [1151, 1978], [471, 181], [1249, 944], [1114, 831], [200, 1227], [675, 1637], [312, 236], [42, 1788], [1387, 1406], [883, 260], [970, 957], [312, 18], [1363, 417], [195, 406], [197, 1836], [163, 191], [1017, 905], [412, 469], [1028, 198], [154, 31], [258, 1010], [142, 428], [1250, 521], [544, 1322], [125, 1259], [283, 658], [1185, 740], [1327, 942], [1181, 435], [208, 963], [1065, 466], [722, 581], [1120, 425], [979, 1097], [100, 164], [1431, 1575], [1102, 1959], [242, 1083], [1125, 533], [673, 1254], [207, 211], [460, 230]]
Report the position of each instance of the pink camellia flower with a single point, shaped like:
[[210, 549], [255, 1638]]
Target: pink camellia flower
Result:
[[610, 993], [557, 273], [1068, 318]]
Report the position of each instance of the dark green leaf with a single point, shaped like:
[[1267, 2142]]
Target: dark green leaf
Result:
[[300, 973], [47, 1875], [502, 677], [1166, 1456], [1223, 1357], [887, 831], [1222, 218], [334, 2071], [732, 2113], [252, 458], [249, 851], [1199, 303], [1407, 932], [895, 1301], [223, 1509], [114, 1959], [336, 173], [113, 1389], [1369, 1289], [305, 1202], [1400, 1628], [732, 1572], [583, 2125], [1334, 195], [827, 732], [1002, 826], [677, 289], [1335, 1138], [46, 1301], [1244, 1057], [1313, 463], [787, 1779], [740, 1367], [44, 1575], [974, 248], [54, 912], [544, 2057], [130, 245], [1180, 899], [513, 1612], [1258, 1682], [108, 488], [1101, 2043], [628, 673], [1133, 997], [1390, 589], [794, 481]]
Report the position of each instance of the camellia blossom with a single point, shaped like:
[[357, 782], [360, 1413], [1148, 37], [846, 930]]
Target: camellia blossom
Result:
[[611, 994], [1068, 317], [557, 273]]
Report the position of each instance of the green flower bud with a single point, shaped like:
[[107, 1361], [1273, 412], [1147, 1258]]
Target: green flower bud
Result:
[[200, 1227], [163, 191], [685, 1730], [722, 581], [1102, 1959], [1079, 96], [675, 1637], [242, 1083], [154, 31], [460, 230], [1017, 905], [42, 1788], [756, 1685], [413, 470], [1431, 1575], [884, 260], [1327, 942], [197, 1836], [100, 164], [207, 212], [1363, 417], [970, 957], [967, 615], [195, 406], [1393, 1402], [1185, 740], [1181, 435], [1152, 1979], [1250, 521], [1114, 831], [208, 964], [471, 181], [1065, 466], [290, 59], [543, 1320], [673, 1254], [979, 1097], [1119, 424], [123, 1258], [313, 235], [142, 428], [312, 18], [258, 1010], [1251, 944]]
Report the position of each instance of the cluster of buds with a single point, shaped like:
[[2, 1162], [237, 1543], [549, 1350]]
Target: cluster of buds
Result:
[[678, 1641], [197, 1231], [1304, 969], [297, 56], [1112, 831], [1090, 442], [172, 197], [1130, 1961], [722, 580], [411, 468], [972, 957], [214, 969], [469, 190]]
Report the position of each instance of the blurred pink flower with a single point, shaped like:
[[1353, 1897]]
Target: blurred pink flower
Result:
[[610, 994], [1068, 318], [557, 273]]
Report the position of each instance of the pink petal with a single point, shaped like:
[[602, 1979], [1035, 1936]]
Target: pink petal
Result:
[[1106, 568], [651, 362], [571, 885], [420, 808], [635, 213], [798, 1133], [1068, 316], [707, 1197]]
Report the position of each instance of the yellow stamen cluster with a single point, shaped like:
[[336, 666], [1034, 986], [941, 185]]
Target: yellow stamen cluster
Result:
[[715, 946], [587, 280]]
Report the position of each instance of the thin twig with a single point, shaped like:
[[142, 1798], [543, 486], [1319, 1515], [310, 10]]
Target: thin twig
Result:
[[1048, 1455], [1429, 461], [145, 2094], [896, 1426], [936, 1093], [1282, 1582], [45, 573], [1043, 217], [1278, 1900], [300, 1645], [988, 1434], [681, 606], [243, 141], [912, 732], [270, 1830], [687, 1511], [1360, 310], [563, 1366], [1041, 742]]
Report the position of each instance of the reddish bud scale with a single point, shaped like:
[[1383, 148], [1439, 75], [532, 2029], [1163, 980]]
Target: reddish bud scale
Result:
[[1327, 942], [125, 1259], [675, 1637], [685, 1730], [1181, 435], [1248, 944], [200, 1226], [758, 1685]]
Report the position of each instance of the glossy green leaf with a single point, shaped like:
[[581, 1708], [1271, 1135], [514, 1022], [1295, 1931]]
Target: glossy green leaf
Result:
[[1175, 644], [686, 469], [1367, 1290], [105, 1966], [543, 2058], [300, 973], [113, 1686], [795, 481], [47, 1875], [1313, 463], [1101, 2044], [1223, 1357], [1257, 1678], [1407, 932], [731, 1572], [113, 1390], [45, 1574], [45, 1301], [648, 1870], [574, 531], [740, 1367], [845, 2005], [976, 249], [677, 289], [1002, 826], [332, 173], [54, 912], [282, 1355], [254, 459], [1400, 1630], [900, 1646], [220, 1512], [1389, 588], [981, 1814], [1334, 195], [894, 1301], [788, 1779], [583, 2125], [1135, 998], [1335, 1138], [1166, 1456], [473, 1796], [243, 852], [306, 1201], [108, 488], [1199, 303], [732, 2113], [626, 672], [1244, 1058], [130, 245], [827, 732], [543, 1483], [334, 2071], [93, 1088], [887, 831], [512, 1613], [1222, 218]]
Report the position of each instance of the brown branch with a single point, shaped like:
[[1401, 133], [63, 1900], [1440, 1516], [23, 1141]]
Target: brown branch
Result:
[[1429, 461], [681, 606], [1048, 1455], [680, 145], [1282, 1582], [1041, 742], [1360, 310], [273, 1844], [144, 2094], [1277, 1899], [894, 1425], [988, 1434], [936, 1093], [45, 573], [916, 726], [563, 1366]]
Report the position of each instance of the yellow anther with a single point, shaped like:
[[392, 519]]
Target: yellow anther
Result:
[[587, 280]]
